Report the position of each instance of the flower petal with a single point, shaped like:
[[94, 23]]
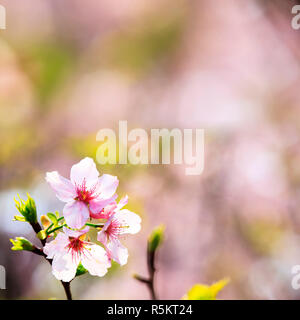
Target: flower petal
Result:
[[84, 171], [130, 220], [117, 252], [64, 266], [108, 210], [56, 246], [102, 236], [76, 214], [64, 189], [95, 260], [107, 186], [123, 202], [96, 206], [75, 233]]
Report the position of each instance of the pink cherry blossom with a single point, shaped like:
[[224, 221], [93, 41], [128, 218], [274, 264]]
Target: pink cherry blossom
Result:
[[119, 223], [85, 193], [68, 250]]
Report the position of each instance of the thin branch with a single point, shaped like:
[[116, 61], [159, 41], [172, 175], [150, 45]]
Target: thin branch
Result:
[[151, 269], [37, 228], [67, 288]]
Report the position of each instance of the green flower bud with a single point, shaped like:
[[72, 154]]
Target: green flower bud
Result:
[[21, 243], [156, 238], [27, 209]]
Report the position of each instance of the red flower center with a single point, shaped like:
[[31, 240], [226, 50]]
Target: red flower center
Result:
[[84, 194], [77, 247], [115, 228]]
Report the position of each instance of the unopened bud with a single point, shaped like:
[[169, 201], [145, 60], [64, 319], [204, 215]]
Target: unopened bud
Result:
[[156, 238], [46, 222], [27, 209], [21, 243]]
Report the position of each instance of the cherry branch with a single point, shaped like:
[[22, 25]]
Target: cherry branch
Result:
[[37, 228], [154, 241], [151, 269]]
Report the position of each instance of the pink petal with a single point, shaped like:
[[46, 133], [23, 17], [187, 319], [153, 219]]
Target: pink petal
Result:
[[108, 210], [64, 189], [129, 219], [56, 246], [64, 266], [107, 185], [76, 214], [84, 171], [98, 204], [102, 236], [123, 202], [95, 260], [75, 233], [117, 251]]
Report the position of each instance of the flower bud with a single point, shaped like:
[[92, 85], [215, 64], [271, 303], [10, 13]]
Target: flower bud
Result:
[[156, 238], [42, 235], [27, 209], [21, 243], [46, 222]]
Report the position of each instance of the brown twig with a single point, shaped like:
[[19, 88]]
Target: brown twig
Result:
[[151, 269], [37, 228]]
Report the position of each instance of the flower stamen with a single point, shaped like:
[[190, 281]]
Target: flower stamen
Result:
[[84, 194]]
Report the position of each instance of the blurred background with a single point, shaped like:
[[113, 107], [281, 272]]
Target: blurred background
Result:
[[69, 68]]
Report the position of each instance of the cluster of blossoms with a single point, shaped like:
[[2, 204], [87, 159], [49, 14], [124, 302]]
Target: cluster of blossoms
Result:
[[88, 196]]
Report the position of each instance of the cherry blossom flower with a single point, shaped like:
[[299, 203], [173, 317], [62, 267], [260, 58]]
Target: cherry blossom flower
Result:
[[119, 223], [69, 249], [85, 193]]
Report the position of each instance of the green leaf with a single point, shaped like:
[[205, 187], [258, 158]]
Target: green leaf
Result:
[[21, 243], [80, 270], [156, 238], [53, 218], [19, 218], [204, 292]]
